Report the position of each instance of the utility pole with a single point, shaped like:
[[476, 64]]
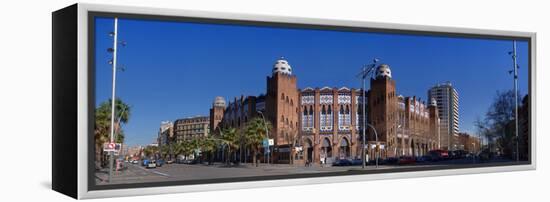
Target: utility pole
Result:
[[113, 101], [364, 118], [514, 58], [365, 72]]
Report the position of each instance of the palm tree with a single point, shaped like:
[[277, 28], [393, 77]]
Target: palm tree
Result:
[[150, 150], [164, 151], [231, 138], [208, 145], [184, 148], [103, 125], [254, 135]]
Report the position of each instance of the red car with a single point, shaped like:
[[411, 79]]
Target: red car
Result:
[[404, 160]]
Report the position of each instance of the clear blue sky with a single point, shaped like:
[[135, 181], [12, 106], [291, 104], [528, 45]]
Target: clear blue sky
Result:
[[174, 69]]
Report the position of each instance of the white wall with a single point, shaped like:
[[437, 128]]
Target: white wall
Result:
[[25, 99]]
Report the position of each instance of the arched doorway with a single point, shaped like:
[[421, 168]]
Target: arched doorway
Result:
[[344, 150], [308, 148], [326, 150]]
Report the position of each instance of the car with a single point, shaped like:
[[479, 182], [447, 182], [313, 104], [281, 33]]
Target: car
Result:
[[135, 162], [342, 162], [186, 161], [151, 164], [357, 162], [169, 161], [159, 162], [390, 161], [438, 154], [405, 160], [145, 162], [423, 159]]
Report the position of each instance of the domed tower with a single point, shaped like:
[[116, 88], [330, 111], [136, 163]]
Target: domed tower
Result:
[[382, 108], [383, 71], [282, 66], [281, 108], [216, 113]]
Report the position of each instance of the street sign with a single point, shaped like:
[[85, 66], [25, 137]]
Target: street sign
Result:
[[270, 142], [111, 147]]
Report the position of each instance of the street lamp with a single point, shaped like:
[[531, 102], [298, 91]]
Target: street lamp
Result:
[[266, 135], [112, 136], [365, 72], [515, 71]]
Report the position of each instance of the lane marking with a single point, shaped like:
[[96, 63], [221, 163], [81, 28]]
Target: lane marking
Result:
[[153, 171]]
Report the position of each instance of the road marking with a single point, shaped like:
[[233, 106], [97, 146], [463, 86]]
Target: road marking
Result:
[[156, 172]]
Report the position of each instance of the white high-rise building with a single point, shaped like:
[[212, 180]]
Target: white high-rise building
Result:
[[446, 98]]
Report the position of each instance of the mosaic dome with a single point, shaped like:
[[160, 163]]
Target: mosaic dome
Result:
[[219, 102], [282, 66], [383, 71]]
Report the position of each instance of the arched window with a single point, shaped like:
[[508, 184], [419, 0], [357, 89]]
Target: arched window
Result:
[[283, 96]]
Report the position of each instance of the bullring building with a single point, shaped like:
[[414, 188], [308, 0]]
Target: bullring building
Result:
[[321, 125]]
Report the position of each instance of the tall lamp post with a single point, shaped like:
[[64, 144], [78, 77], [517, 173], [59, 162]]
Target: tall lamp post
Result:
[[515, 71], [112, 136], [363, 75], [266, 135]]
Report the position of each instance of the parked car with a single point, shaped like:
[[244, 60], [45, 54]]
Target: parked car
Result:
[[145, 162], [423, 159], [151, 164], [357, 162], [405, 160], [390, 161], [169, 161], [159, 162], [187, 161], [342, 162], [135, 162], [438, 154]]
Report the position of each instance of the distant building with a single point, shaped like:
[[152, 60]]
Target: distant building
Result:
[[193, 127], [446, 97], [134, 151], [468, 143], [418, 127], [404, 125], [166, 133]]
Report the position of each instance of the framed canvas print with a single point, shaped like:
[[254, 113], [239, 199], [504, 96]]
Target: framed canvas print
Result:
[[150, 101]]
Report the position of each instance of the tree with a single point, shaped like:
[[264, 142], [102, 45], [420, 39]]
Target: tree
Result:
[[255, 133], [164, 151], [500, 119], [184, 148], [230, 137], [102, 126], [150, 151], [208, 145]]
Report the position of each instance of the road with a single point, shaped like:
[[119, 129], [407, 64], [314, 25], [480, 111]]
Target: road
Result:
[[134, 173]]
